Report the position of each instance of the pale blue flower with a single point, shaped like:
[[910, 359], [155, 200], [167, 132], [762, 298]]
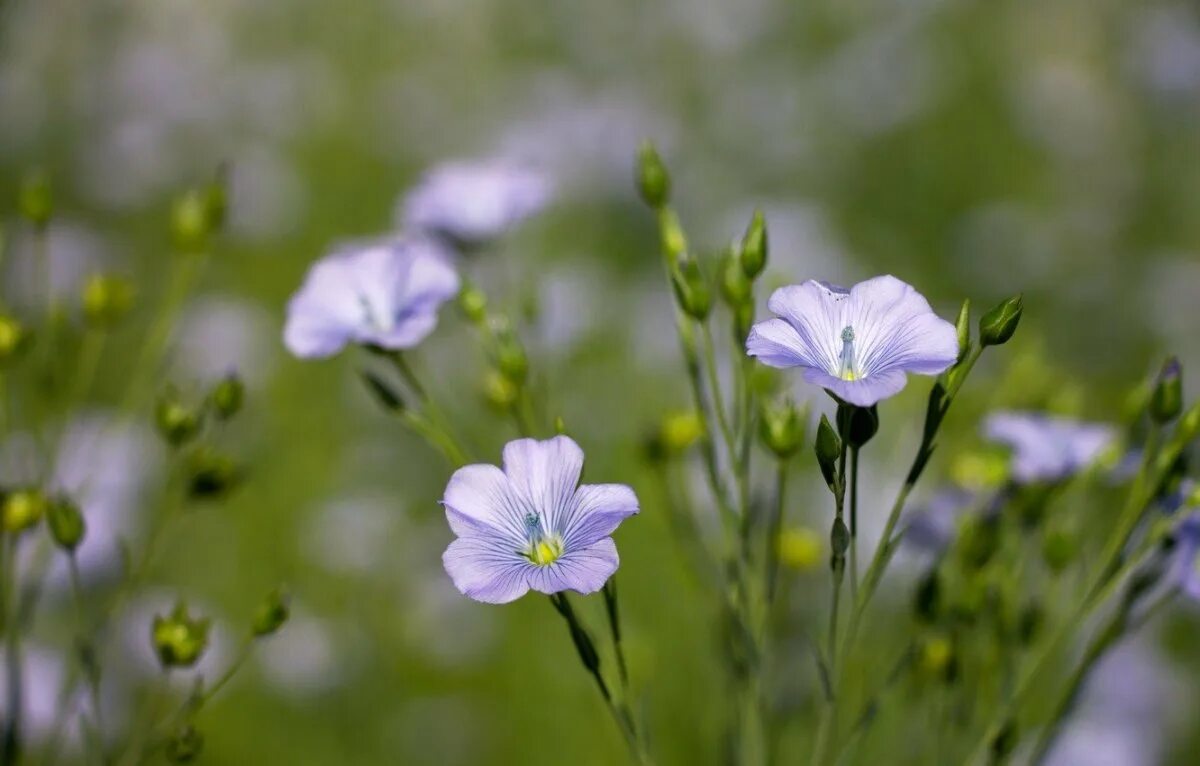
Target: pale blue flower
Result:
[[1047, 448], [384, 294], [470, 203], [532, 525], [1189, 555], [857, 343]]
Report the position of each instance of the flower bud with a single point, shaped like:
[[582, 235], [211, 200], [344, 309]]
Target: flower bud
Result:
[[36, 198], [14, 339], [106, 299], [387, 396], [560, 426], [963, 327], [680, 430], [654, 183], [1167, 400], [185, 745], [736, 288], [754, 246], [227, 396], [66, 523], [839, 538], [499, 392], [829, 450], [999, 324], [210, 474], [22, 509], [190, 222], [272, 613], [1029, 623], [177, 423], [781, 427], [472, 302], [691, 289], [179, 640], [509, 354], [858, 425], [799, 548], [670, 232]]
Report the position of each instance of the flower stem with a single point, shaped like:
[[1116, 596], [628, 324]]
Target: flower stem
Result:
[[774, 528], [854, 525], [10, 744]]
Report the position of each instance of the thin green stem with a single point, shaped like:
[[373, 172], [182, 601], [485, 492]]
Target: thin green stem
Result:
[[10, 745], [774, 529], [854, 525]]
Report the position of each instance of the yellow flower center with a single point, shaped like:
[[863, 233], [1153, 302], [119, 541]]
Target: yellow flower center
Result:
[[545, 551]]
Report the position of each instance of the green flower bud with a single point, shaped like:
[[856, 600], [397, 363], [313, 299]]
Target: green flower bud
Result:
[[66, 523], [999, 324], [185, 745], [963, 326], [210, 474], [509, 355], [691, 289], [22, 509], [177, 423], [106, 299], [472, 302], [560, 425], [179, 640], [1167, 400], [937, 658], [736, 288], [190, 221], [829, 450], [754, 246], [499, 392], [858, 425], [227, 396], [839, 538], [272, 613], [670, 231], [653, 181], [36, 198], [781, 427], [387, 396], [14, 339]]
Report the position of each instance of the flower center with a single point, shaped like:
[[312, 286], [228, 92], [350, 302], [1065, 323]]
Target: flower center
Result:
[[848, 365], [370, 315], [541, 548]]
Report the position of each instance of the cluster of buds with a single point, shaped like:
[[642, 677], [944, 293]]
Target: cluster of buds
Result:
[[508, 362], [208, 472], [179, 639]]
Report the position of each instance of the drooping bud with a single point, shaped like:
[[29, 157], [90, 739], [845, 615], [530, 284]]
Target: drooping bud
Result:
[[781, 426], [14, 339], [106, 299], [999, 324], [272, 613], [963, 327], [227, 396], [691, 289], [66, 523], [829, 450], [383, 392], [36, 198], [179, 640], [185, 745], [22, 509], [858, 424], [177, 422], [653, 180], [473, 303], [1167, 400], [754, 246], [210, 474]]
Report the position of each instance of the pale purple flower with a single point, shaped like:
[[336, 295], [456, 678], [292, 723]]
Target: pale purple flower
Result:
[[532, 525], [1189, 556], [385, 294], [857, 343], [470, 203], [1048, 448]]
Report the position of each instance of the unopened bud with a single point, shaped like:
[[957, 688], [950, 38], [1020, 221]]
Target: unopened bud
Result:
[[509, 353], [829, 449], [999, 324], [22, 509], [272, 613], [754, 246], [383, 392], [963, 327], [927, 602], [670, 232], [472, 302], [736, 288], [839, 538], [14, 339], [781, 427], [680, 430], [179, 639], [210, 474], [36, 198], [653, 181], [106, 299], [66, 523], [691, 289], [177, 422], [799, 548], [1167, 400], [858, 424], [227, 396], [499, 392]]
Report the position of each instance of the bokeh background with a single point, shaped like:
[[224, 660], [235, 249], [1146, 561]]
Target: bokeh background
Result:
[[972, 148]]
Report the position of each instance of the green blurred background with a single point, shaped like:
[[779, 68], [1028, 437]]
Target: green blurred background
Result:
[[972, 148]]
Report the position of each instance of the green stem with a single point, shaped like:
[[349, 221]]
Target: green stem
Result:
[[854, 525], [10, 746], [774, 529]]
